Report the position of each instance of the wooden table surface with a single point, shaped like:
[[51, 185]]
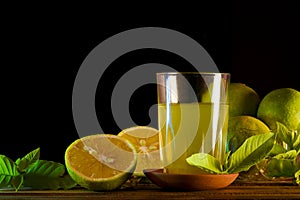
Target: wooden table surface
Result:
[[257, 190]]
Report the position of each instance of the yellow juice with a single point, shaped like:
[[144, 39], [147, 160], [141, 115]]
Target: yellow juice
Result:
[[189, 128]]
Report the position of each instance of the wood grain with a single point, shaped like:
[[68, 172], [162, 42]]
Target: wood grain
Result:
[[150, 191]]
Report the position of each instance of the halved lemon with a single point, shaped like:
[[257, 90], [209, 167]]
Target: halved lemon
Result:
[[146, 141], [101, 161]]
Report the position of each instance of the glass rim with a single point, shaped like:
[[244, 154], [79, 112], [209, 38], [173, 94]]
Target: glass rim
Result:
[[192, 73]]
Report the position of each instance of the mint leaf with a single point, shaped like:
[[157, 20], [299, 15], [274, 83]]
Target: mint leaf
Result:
[[205, 162], [8, 170], [254, 149], [29, 159], [48, 175]]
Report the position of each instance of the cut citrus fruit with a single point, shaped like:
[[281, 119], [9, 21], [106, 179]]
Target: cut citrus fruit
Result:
[[146, 141], [101, 161]]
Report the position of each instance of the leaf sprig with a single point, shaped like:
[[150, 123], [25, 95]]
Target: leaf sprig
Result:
[[283, 156], [248, 154], [30, 171], [280, 148]]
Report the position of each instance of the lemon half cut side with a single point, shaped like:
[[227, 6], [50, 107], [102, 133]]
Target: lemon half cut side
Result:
[[146, 141], [101, 161]]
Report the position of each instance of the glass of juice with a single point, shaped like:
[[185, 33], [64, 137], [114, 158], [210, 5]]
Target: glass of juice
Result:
[[192, 117]]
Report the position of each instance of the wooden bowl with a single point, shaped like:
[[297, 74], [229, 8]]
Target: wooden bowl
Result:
[[189, 181]]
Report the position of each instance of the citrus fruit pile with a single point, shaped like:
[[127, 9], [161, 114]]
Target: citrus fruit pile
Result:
[[243, 123], [105, 162], [248, 115], [278, 111]]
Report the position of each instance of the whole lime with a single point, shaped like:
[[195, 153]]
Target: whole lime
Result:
[[243, 100], [281, 105], [242, 127]]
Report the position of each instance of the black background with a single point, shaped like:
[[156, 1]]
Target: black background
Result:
[[43, 47]]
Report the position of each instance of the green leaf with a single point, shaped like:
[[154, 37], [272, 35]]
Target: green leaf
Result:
[[226, 160], [205, 162], [46, 168], [48, 175], [40, 182], [254, 149], [284, 134], [277, 149], [297, 177], [292, 154], [8, 170], [296, 142], [29, 159], [281, 167], [17, 182]]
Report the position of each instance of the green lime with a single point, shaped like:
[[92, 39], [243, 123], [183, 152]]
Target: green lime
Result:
[[243, 100], [281, 105], [101, 161], [242, 127]]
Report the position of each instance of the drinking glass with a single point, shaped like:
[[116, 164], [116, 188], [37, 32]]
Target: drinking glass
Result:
[[192, 117]]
